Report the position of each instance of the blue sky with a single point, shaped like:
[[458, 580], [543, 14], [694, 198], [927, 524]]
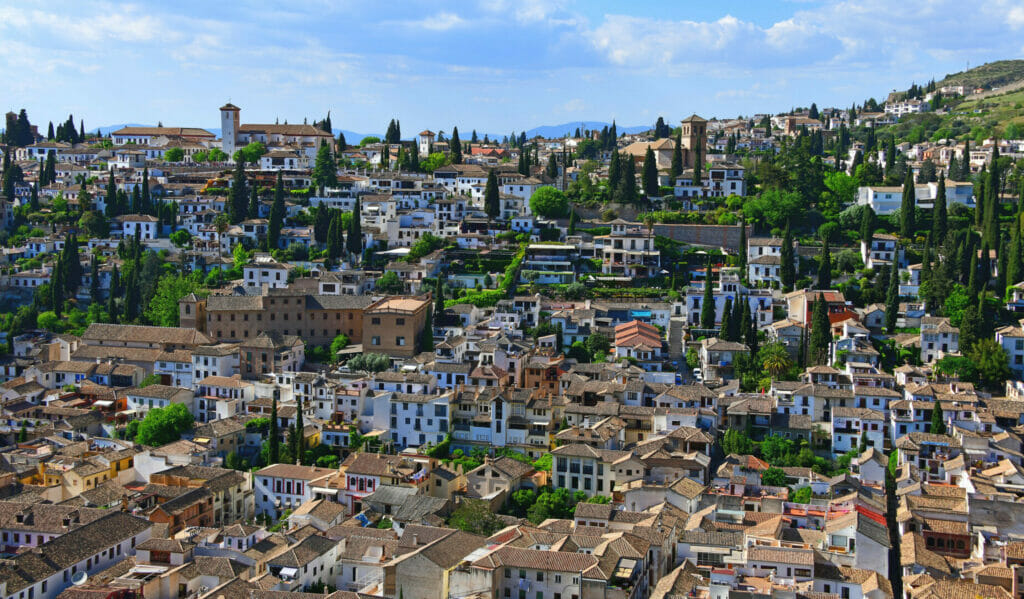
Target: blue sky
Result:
[[492, 65]]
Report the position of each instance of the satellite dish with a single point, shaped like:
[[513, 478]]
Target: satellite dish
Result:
[[79, 578]]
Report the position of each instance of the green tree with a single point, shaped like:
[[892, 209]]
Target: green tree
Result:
[[892, 299], [774, 358], [787, 272], [492, 203], [164, 425], [825, 267], [707, 306], [390, 284], [548, 202], [174, 155], [370, 362], [277, 211], [867, 224], [939, 218], [908, 206], [339, 343], [821, 333], [354, 238], [238, 198], [473, 516], [456, 146], [325, 169], [650, 176], [991, 361], [938, 425], [163, 306], [773, 477]]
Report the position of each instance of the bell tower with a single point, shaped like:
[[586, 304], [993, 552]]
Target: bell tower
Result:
[[695, 137], [229, 128]]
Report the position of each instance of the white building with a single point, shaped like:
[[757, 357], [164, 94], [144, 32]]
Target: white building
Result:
[[885, 200], [938, 339], [141, 400], [282, 487], [145, 224]]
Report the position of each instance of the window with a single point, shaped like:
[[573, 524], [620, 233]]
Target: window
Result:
[[374, 340], [375, 320]]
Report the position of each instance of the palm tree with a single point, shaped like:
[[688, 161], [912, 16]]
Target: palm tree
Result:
[[775, 359]]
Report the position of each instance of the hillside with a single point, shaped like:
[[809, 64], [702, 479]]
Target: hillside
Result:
[[992, 74]]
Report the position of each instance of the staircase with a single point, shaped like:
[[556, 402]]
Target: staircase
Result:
[[675, 341]]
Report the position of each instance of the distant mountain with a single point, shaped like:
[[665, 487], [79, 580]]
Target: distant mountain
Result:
[[570, 128], [353, 138], [106, 130]]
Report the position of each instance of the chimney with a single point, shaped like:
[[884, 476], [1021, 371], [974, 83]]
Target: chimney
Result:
[[415, 540]]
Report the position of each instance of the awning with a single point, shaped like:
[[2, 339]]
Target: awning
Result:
[[289, 572]]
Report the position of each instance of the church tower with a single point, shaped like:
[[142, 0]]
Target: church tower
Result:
[[695, 137], [229, 127]]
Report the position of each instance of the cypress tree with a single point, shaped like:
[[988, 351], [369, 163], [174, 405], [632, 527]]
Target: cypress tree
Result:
[[254, 203], [981, 194], [737, 327], [94, 281], [492, 203], [147, 199], [938, 425], [627, 187], [973, 282], [572, 221], [321, 223], [551, 170], [438, 301], [238, 198], [456, 147], [892, 299], [1003, 261], [57, 289], [677, 160], [698, 166], [825, 267], [821, 333], [939, 216], [49, 132], [334, 239], [743, 249], [867, 225], [787, 271], [926, 277], [907, 206], [725, 332], [274, 442], [110, 209], [707, 307], [354, 241], [74, 264], [1014, 263], [650, 178], [277, 211], [953, 169], [51, 167], [614, 171], [33, 199]]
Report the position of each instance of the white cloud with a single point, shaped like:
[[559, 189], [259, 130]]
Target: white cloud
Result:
[[442, 21]]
